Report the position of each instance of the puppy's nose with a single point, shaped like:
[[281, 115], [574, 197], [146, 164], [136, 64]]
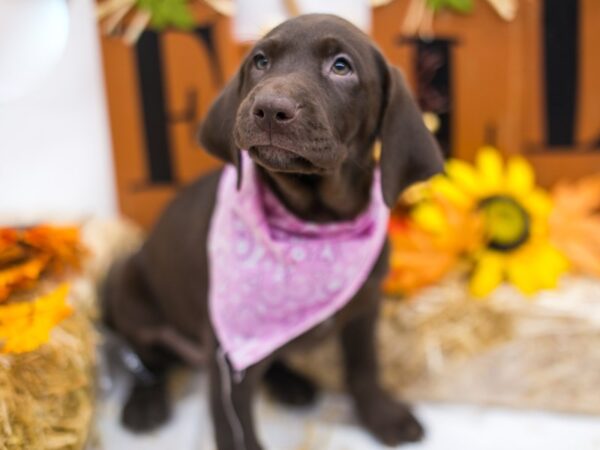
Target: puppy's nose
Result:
[[273, 111]]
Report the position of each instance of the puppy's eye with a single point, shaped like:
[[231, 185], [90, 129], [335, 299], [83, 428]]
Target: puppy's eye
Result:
[[341, 66], [261, 62]]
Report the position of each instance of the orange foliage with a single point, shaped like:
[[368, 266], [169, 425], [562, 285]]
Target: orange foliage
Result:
[[29, 253], [575, 223], [21, 276], [415, 260], [62, 244], [420, 257], [25, 326]]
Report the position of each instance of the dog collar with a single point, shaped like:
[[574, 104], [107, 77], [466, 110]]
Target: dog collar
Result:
[[274, 276]]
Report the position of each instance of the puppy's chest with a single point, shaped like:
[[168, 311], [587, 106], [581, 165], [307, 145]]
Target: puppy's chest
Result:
[[314, 336], [330, 326]]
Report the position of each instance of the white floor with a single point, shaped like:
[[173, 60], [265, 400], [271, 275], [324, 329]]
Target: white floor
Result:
[[330, 426]]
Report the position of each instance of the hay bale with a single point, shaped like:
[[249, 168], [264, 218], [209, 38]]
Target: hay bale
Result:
[[541, 352], [46, 396]]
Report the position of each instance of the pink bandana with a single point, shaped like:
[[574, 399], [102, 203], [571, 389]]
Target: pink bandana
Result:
[[273, 276]]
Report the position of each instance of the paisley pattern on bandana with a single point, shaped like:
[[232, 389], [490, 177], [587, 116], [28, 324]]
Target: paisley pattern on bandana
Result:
[[273, 276]]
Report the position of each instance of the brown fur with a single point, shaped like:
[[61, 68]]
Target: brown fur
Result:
[[311, 132]]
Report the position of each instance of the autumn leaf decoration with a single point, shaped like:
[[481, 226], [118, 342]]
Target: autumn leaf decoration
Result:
[[27, 254], [25, 326], [423, 255], [575, 223], [32, 260]]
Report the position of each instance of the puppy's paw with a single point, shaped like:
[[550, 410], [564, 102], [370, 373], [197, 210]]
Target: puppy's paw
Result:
[[147, 408], [391, 422], [289, 387]]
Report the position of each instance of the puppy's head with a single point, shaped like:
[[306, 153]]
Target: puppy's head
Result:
[[313, 94]]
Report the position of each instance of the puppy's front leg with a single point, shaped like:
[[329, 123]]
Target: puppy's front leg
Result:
[[390, 421], [231, 400]]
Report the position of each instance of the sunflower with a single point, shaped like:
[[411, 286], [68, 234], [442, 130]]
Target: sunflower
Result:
[[514, 243]]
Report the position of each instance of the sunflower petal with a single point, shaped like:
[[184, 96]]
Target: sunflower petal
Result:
[[538, 266], [521, 274], [538, 202], [464, 175], [488, 274], [446, 188], [519, 176], [553, 262], [489, 165], [430, 217]]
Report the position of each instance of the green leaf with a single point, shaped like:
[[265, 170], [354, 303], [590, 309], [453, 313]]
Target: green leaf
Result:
[[168, 13], [462, 6]]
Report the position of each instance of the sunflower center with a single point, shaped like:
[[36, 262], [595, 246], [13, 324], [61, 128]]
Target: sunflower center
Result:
[[506, 223]]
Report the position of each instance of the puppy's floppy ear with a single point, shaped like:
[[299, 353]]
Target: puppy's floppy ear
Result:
[[216, 130], [409, 152]]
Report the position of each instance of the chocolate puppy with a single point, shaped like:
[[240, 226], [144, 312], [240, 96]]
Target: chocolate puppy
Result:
[[307, 105]]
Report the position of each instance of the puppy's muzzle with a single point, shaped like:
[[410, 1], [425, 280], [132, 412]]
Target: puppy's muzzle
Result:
[[273, 113], [284, 127]]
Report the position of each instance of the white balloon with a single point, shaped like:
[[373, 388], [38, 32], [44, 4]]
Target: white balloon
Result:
[[33, 36]]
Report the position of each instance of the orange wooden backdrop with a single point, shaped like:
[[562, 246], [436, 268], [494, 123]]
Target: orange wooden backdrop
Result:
[[497, 83]]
